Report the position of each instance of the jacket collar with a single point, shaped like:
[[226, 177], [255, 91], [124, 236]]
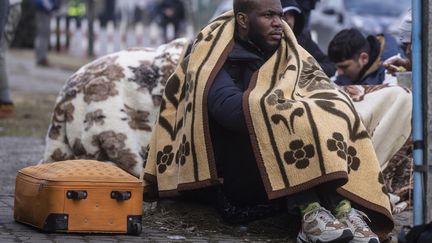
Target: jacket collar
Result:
[[377, 47]]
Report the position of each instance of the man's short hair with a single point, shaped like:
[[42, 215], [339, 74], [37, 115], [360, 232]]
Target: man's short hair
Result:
[[244, 6], [347, 44]]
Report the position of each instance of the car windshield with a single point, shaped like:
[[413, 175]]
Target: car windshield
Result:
[[378, 7]]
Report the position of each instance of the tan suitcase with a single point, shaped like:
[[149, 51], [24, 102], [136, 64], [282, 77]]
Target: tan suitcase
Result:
[[79, 196]]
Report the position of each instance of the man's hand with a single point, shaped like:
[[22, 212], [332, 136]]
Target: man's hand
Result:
[[397, 64]]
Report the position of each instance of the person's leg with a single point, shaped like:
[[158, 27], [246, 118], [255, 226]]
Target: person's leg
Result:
[[6, 106], [42, 37], [4, 8], [13, 19], [164, 29], [4, 89], [4, 82], [177, 28], [386, 114]]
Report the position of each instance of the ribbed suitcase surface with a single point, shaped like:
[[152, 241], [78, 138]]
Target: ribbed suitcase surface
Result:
[[79, 196]]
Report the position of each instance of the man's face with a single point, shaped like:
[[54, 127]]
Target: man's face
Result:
[[265, 24], [351, 68]]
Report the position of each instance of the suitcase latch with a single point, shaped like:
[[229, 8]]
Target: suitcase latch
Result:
[[121, 195], [76, 195]]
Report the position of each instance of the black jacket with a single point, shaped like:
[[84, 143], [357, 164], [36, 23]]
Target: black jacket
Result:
[[304, 39], [234, 156]]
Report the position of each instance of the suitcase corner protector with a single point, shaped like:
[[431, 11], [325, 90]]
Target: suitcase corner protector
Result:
[[134, 224], [56, 222]]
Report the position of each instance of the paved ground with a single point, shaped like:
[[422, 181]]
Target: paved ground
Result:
[[19, 152]]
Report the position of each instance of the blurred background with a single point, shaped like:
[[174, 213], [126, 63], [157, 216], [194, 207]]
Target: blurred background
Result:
[[116, 24], [369, 16], [328, 17], [119, 24]]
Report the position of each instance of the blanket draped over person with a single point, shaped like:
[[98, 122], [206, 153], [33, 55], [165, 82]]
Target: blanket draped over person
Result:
[[104, 134], [106, 110], [383, 108], [286, 101]]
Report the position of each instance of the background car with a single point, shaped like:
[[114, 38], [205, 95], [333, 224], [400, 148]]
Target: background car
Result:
[[369, 16]]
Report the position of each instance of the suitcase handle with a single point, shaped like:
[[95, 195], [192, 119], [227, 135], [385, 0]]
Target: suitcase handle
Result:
[[76, 195], [121, 195]]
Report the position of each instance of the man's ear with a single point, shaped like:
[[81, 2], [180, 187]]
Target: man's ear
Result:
[[242, 20], [364, 58]]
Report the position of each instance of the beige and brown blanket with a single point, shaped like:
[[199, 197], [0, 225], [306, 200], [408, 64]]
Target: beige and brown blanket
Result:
[[305, 132], [385, 110]]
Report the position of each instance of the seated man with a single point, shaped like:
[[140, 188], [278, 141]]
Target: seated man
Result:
[[295, 18], [250, 111], [359, 59]]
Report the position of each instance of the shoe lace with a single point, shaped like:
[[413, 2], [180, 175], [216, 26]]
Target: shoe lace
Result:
[[322, 213], [357, 219]]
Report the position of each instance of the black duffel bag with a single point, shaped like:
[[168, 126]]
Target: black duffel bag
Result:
[[417, 234]]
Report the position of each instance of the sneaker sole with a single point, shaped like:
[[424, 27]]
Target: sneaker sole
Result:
[[346, 236]]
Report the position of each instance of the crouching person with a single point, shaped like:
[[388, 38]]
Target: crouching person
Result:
[[251, 112]]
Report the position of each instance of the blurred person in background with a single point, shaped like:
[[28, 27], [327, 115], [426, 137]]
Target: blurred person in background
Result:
[[76, 10], [6, 105], [4, 8], [108, 13], [294, 16], [170, 12], [359, 59], [10, 15], [44, 10], [307, 6], [397, 63]]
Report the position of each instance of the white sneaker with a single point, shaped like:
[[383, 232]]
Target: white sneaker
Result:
[[362, 233], [320, 226]]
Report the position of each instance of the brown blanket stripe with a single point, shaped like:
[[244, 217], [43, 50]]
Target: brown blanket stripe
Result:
[[267, 122], [316, 138], [193, 148]]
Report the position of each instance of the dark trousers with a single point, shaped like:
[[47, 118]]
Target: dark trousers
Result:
[[164, 26]]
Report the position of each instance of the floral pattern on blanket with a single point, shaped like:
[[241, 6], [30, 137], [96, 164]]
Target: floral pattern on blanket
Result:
[[106, 110]]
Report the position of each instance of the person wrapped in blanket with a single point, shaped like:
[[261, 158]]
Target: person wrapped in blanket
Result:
[[372, 69], [251, 108], [359, 59]]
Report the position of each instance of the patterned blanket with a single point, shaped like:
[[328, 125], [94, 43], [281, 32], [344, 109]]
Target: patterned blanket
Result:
[[325, 141], [107, 109], [385, 110]]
